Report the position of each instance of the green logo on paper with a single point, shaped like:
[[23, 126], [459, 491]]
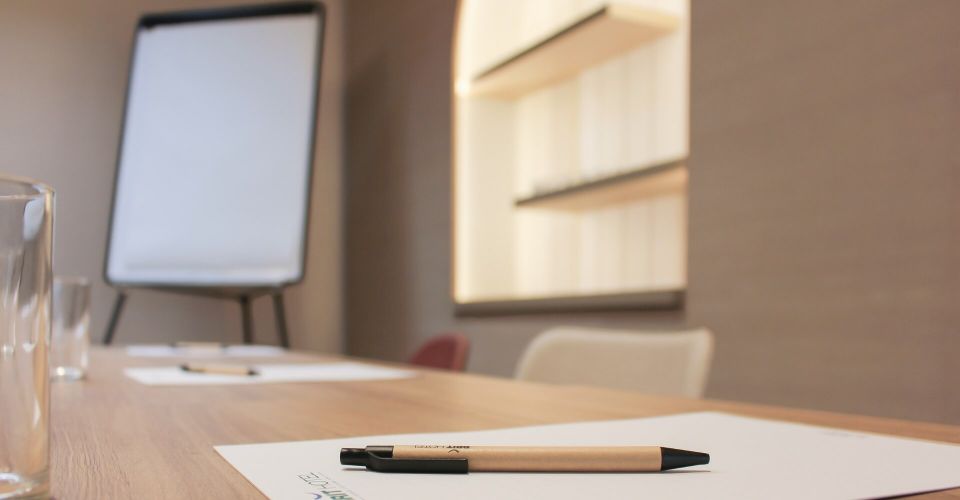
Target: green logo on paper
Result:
[[326, 488]]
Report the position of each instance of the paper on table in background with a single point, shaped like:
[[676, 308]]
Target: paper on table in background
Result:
[[749, 458], [233, 351], [314, 372]]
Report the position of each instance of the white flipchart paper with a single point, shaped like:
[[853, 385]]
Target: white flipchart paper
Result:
[[232, 351], [315, 372], [750, 458]]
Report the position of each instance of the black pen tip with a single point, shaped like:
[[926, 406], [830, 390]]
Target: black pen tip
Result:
[[672, 458], [353, 456]]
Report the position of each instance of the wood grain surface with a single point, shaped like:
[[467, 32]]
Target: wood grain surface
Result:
[[116, 438]]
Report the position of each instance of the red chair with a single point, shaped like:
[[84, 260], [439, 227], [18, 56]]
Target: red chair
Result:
[[447, 352]]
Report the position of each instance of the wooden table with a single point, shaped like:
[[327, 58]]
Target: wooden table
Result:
[[115, 438]]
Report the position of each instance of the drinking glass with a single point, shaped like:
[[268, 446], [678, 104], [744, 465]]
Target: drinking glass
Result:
[[26, 235], [70, 338]]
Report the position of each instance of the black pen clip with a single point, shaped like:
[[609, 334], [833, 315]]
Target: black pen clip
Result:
[[379, 463]]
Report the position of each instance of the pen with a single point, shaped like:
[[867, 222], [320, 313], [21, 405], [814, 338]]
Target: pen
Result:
[[198, 345], [218, 369], [463, 459]]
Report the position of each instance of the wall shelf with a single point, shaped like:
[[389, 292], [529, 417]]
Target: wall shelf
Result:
[[616, 189], [652, 300], [611, 30], [570, 139]]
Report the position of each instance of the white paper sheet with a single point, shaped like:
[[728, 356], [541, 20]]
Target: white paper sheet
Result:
[[750, 458], [316, 372], [232, 351]]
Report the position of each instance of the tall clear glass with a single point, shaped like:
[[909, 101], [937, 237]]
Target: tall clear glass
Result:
[[70, 336], [26, 237]]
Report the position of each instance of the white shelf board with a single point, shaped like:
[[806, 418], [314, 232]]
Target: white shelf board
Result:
[[611, 30]]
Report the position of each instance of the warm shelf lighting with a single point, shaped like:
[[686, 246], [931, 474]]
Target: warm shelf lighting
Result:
[[604, 33], [462, 87]]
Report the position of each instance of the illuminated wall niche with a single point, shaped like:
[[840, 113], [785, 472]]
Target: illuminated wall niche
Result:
[[570, 138]]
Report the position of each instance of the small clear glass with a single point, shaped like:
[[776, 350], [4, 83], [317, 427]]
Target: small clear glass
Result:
[[70, 342], [26, 236]]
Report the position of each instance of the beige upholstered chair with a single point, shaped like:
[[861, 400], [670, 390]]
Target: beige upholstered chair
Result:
[[674, 363]]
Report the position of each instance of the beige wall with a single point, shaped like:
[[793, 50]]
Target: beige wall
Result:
[[64, 68], [824, 200]]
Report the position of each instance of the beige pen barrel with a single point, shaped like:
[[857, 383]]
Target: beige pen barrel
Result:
[[540, 459], [186, 344], [218, 369]]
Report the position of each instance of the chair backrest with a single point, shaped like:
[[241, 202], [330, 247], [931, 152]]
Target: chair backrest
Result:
[[675, 363], [448, 352]]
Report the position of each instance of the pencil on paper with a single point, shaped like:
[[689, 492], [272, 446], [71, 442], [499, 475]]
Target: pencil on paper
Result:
[[219, 369], [197, 345]]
